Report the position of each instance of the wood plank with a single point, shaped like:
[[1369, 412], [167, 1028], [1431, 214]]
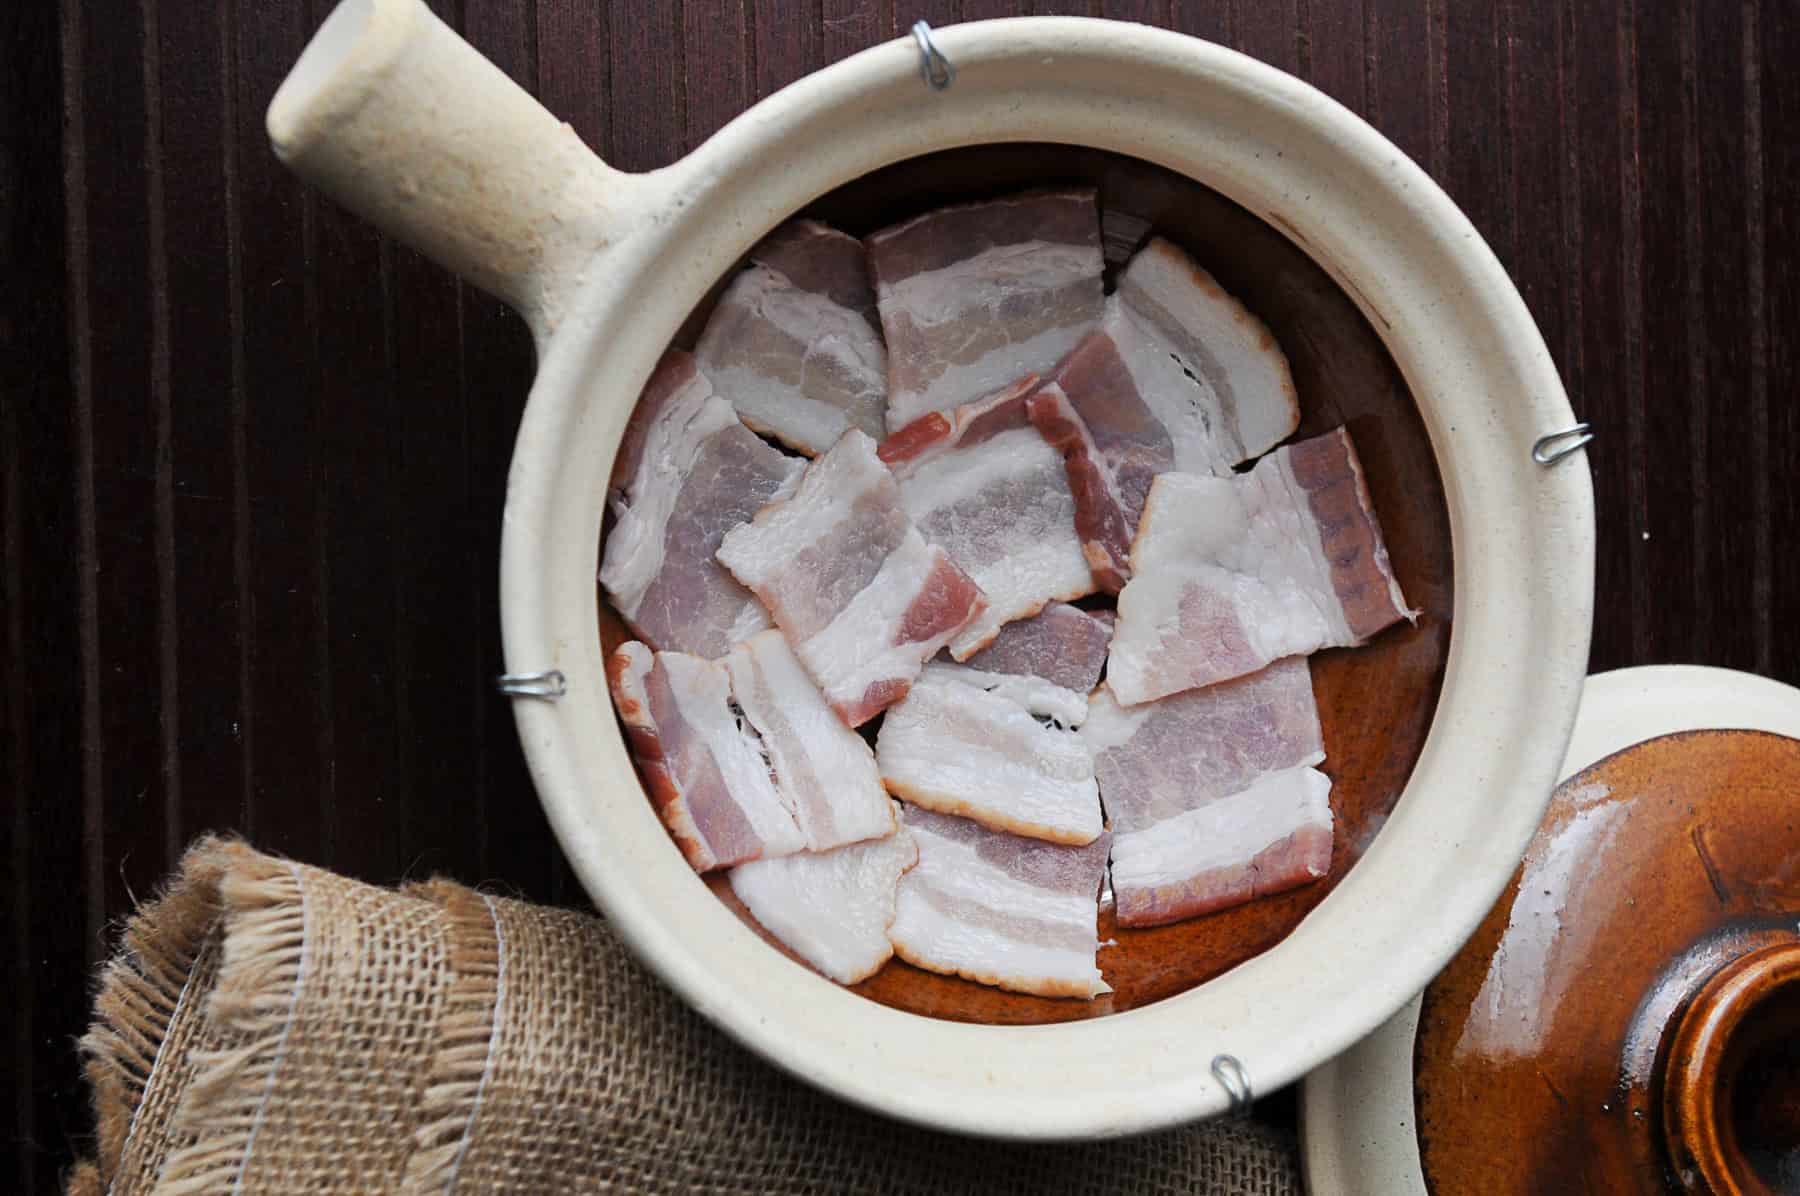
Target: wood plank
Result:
[[645, 67], [203, 465], [852, 25], [40, 681], [788, 43], [1268, 30], [1731, 459], [717, 47], [1676, 560], [574, 69], [1779, 42], [1337, 51]]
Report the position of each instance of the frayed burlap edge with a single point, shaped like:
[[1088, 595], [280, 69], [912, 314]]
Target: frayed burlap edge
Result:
[[260, 979], [459, 1066], [141, 990]]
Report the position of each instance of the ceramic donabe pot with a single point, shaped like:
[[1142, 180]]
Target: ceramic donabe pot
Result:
[[390, 112]]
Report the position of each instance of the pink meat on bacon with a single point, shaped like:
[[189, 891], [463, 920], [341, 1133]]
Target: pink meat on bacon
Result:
[[862, 598], [1179, 376], [687, 471], [976, 296], [1232, 573], [794, 343], [705, 772], [980, 482], [1062, 644], [1213, 794]]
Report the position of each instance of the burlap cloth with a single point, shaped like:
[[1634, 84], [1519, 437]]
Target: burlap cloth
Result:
[[271, 1027]]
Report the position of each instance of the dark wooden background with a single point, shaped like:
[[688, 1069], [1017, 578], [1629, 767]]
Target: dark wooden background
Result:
[[252, 456]]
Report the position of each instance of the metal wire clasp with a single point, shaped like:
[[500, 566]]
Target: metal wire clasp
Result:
[[1553, 448], [934, 66], [1235, 1080], [549, 685]]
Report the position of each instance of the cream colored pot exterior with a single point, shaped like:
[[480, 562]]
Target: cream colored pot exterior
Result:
[[403, 122]]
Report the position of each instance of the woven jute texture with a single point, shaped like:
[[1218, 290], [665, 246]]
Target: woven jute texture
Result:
[[271, 1028]]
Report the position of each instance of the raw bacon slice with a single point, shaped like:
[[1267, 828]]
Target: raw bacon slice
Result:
[[967, 743], [1017, 913], [1063, 644], [974, 297], [687, 471], [824, 771], [860, 595], [1212, 793], [794, 342], [1179, 376], [705, 772], [831, 908], [981, 482], [1274, 836], [1232, 573]]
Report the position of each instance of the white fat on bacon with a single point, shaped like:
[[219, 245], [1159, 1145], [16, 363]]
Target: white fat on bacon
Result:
[[831, 908], [1231, 573], [1213, 794], [862, 598], [1179, 376], [687, 471], [1000, 909], [824, 771], [983, 484], [793, 341], [977, 296], [972, 744], [705, 771]]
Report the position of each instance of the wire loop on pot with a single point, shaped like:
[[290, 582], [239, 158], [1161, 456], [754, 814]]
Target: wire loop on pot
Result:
[[1553, 448], [549, 685], [1235, 1080], [934, 67]]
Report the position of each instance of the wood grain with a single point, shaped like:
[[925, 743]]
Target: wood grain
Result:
[[253, 457]]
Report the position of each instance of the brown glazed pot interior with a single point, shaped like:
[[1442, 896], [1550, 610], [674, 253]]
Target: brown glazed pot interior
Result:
[[1375, 702], [1627, 1018]]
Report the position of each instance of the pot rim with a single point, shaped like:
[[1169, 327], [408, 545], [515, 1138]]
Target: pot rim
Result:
[[1522, 535]]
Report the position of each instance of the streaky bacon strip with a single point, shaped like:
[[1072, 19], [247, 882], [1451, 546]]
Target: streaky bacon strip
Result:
[[824, 771], [969, 743], [1062, 644], [1179, 376], [1212, 794], [975, 296], [980, 482], [687, 470], [1017, 913], [794, 343], [705, 773], [1232, 573], [862, 598], [831, 908]]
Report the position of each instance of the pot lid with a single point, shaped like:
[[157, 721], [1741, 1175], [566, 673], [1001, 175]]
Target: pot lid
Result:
[[1629, 1012]]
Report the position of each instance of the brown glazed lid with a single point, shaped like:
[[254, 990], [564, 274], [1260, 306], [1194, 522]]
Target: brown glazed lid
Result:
[[1627, 1018]]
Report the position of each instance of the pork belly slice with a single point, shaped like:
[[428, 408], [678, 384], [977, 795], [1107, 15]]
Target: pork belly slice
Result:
[[793, 342], [687, 471], [1000, 909], [1179, 376], [824, 771], [1232, 573], [862, 598], [1271, 837], [831, 908], [1062, 644], [969, 743], [1212, 794], [1163, 758], [980, 482], [976, 296], [705, 771]]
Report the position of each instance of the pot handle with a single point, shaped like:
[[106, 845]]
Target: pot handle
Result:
[[398, 118]]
